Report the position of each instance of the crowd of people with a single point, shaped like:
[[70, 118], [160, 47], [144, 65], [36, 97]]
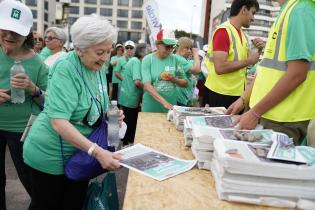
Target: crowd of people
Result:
[[71, 91]]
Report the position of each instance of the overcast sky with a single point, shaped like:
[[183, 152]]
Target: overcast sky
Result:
[[180, 14]]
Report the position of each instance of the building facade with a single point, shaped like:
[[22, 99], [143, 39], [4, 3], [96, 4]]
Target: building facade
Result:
[[126, 15], [264, 18]]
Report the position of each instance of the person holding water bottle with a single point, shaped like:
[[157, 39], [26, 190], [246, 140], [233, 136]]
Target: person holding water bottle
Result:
[[76, 102], [27, 79]]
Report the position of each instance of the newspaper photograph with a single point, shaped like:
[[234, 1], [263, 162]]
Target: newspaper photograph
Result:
[[152, 163], [205, 133], [218, 121], [284, 149], [199, 110]]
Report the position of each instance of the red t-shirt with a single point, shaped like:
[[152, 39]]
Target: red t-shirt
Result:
[[221, 41]]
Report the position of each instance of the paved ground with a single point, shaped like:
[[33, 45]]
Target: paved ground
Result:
[[18, 199]]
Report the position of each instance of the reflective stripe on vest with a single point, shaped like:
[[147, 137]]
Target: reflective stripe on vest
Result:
[[275, 63], [299, 104], [230, 83]]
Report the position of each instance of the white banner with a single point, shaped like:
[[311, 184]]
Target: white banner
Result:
[[151, 12]]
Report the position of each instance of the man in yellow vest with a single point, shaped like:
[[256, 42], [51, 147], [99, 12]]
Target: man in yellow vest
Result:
[[228, 56], [283, 97]]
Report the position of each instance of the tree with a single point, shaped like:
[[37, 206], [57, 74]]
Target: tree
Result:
[[181, 33]]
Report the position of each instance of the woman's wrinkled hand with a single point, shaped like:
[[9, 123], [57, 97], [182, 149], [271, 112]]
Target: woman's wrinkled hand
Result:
[[22, 81], [108, 160], [4, 96]]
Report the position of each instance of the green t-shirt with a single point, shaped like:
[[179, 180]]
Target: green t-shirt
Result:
[[114, 78], [120, 66], [151, 69], [185, 94], [14, 117], [129, 93], [106, 66], [67, 97], [45, 53], [300, 36]]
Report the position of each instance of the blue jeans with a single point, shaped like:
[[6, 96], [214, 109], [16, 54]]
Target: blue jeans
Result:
[[16, 150]]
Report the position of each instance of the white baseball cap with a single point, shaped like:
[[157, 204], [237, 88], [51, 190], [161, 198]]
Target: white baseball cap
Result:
[[15, 16], [167, 37], [129, 43]]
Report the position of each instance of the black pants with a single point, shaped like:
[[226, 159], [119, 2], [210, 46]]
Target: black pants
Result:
[[131, 117], [56, 192], [215, 99], [16, 150], [115, 91]]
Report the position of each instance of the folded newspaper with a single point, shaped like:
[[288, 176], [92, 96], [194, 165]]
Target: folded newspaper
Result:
[[181, 112], [238, 157], [152, 163], [284, 150]]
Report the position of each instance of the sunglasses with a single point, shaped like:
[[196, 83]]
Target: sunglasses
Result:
[[49, 38], [38, 39], [129, 48], [169, 47]]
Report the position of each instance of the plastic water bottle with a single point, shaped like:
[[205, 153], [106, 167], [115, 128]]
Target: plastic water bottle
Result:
[[113, 125], [17, 95]]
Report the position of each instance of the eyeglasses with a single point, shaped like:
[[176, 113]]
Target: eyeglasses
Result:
[[39, 39], [49, 38], [170, 47], [129, 48]]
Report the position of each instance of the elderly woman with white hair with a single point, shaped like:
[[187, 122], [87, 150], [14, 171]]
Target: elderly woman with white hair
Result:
[[77, 90], [55, 38]]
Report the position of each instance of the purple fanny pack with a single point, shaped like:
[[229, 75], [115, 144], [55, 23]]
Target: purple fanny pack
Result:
[[81, 166]]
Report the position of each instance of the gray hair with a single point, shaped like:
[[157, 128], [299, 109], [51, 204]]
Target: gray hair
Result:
[[60, 33], [91, 30]]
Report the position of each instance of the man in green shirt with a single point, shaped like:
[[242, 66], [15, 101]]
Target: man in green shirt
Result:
[[121, 62], [131, 91], [119, 51]]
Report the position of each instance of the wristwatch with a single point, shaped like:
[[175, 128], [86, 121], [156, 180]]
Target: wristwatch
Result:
[[38, 92]]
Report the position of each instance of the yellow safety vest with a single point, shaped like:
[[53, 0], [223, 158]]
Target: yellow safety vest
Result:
[[300, 104], [233, 83]]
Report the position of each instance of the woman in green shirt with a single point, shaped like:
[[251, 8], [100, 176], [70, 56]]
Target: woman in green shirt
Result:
[[17, 43], [70, 114], [185, 96], [161, 72]]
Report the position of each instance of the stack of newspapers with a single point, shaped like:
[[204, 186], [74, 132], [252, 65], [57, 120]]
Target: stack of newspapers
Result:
[[247, 172], [203, 149], [221, 121], [203, 138], [181, 112]]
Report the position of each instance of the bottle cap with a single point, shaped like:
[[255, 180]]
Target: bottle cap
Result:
[[114, 103]]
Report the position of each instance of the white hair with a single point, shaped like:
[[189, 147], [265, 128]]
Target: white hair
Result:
[[91, 30], [60, 33]]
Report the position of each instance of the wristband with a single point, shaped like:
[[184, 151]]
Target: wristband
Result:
[[38, 92], [255, 114], [91, 149]]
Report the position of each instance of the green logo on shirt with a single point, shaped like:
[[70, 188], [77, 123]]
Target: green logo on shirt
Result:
[[16, 14]]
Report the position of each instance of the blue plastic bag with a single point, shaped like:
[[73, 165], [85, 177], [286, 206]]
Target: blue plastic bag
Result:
[[81, 166], [102, 195]]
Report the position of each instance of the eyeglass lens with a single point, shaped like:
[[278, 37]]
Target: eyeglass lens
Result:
[[49, 38]]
